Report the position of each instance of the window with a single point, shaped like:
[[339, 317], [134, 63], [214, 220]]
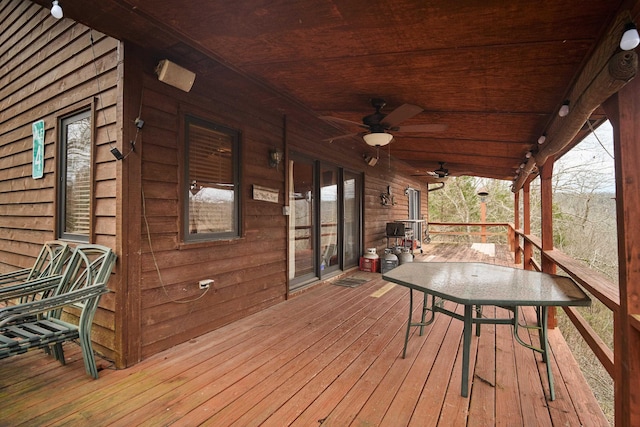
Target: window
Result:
[[74, 189], [212, 177]]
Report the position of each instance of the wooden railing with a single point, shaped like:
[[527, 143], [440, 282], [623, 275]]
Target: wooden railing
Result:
[[473, 229], [523, 246]]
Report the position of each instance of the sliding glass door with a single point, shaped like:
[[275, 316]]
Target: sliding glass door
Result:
[[302, 234], [325, 225], [329, 219], [352, 207]]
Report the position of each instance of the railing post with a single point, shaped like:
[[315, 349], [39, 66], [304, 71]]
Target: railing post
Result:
[[526, 206], [546, 206], [515, 240]]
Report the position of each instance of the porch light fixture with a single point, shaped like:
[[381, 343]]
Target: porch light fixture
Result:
[[630, 37], [377, 139], [275, 157], [564, 110], [542, 138], [56, 11]]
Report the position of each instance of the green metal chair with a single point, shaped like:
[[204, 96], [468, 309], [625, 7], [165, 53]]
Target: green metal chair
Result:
[[49, 262], [39, 323]]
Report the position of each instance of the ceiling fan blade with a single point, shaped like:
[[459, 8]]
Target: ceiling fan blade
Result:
[[427, 173], [343, 121], [400, 114], [434, 127], [349, 135]]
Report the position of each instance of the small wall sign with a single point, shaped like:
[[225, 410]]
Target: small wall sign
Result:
[[37, 164], [265, 194]]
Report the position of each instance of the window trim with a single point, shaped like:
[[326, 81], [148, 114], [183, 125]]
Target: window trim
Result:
[[61, 164], [235, 136]]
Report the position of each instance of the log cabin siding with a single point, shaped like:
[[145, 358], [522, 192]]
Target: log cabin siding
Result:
[[250, 272], [49, 68]]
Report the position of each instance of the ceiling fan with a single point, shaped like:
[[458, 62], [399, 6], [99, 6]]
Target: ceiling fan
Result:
[[379, 123], [440, 173]]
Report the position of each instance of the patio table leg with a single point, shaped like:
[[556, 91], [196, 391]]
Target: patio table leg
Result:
[[406, 338], [478, 315], [544, 343], [466, 348]]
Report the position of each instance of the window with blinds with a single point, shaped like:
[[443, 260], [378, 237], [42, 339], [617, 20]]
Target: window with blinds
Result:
[[74, 191], [212, 210]]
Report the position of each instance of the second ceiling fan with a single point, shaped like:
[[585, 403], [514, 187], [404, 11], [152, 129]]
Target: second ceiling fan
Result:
[[379, 123], [440, 173]]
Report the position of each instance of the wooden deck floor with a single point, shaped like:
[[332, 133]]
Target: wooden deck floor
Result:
[[330, 356]]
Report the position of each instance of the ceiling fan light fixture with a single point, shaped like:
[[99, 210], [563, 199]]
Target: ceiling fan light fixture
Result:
[[377, 139], [630, 38]]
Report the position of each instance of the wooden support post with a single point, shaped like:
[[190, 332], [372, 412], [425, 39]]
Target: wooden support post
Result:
[[526, 217], [128, 302], [515, 242], [623, 111], [546, 206]]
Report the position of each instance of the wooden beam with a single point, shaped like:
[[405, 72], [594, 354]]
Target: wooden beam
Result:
[[526, 219], [128, 207], [608, 70], [516, 225], [623, 111], [620, 69]]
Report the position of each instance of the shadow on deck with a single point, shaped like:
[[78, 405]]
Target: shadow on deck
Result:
[[330, 356]]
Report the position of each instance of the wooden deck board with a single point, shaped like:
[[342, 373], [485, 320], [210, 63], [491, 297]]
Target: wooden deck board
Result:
[[331, 356]]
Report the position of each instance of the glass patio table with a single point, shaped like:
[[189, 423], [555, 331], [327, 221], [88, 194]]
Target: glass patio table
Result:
[[475, 285]]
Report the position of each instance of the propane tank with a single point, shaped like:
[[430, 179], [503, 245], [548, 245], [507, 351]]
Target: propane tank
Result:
[[389, 261], [371, 254], [405, 256]]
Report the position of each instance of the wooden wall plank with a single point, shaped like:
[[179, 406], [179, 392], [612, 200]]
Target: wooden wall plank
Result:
[[48, 68]]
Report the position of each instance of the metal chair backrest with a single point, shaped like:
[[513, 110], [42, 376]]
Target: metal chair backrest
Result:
[[51, 260], [87, 266]]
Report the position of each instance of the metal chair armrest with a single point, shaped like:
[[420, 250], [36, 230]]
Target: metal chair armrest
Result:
[[50, 306]]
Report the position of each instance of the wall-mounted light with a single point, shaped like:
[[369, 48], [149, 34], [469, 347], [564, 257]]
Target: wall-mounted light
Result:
[[275, 157], [56, 10], [194, 187], [542, 138], [377, 139], [386, 199], [630, 38], [564, 110]]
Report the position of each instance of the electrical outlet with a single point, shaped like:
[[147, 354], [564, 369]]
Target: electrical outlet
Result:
[[204, 284]]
